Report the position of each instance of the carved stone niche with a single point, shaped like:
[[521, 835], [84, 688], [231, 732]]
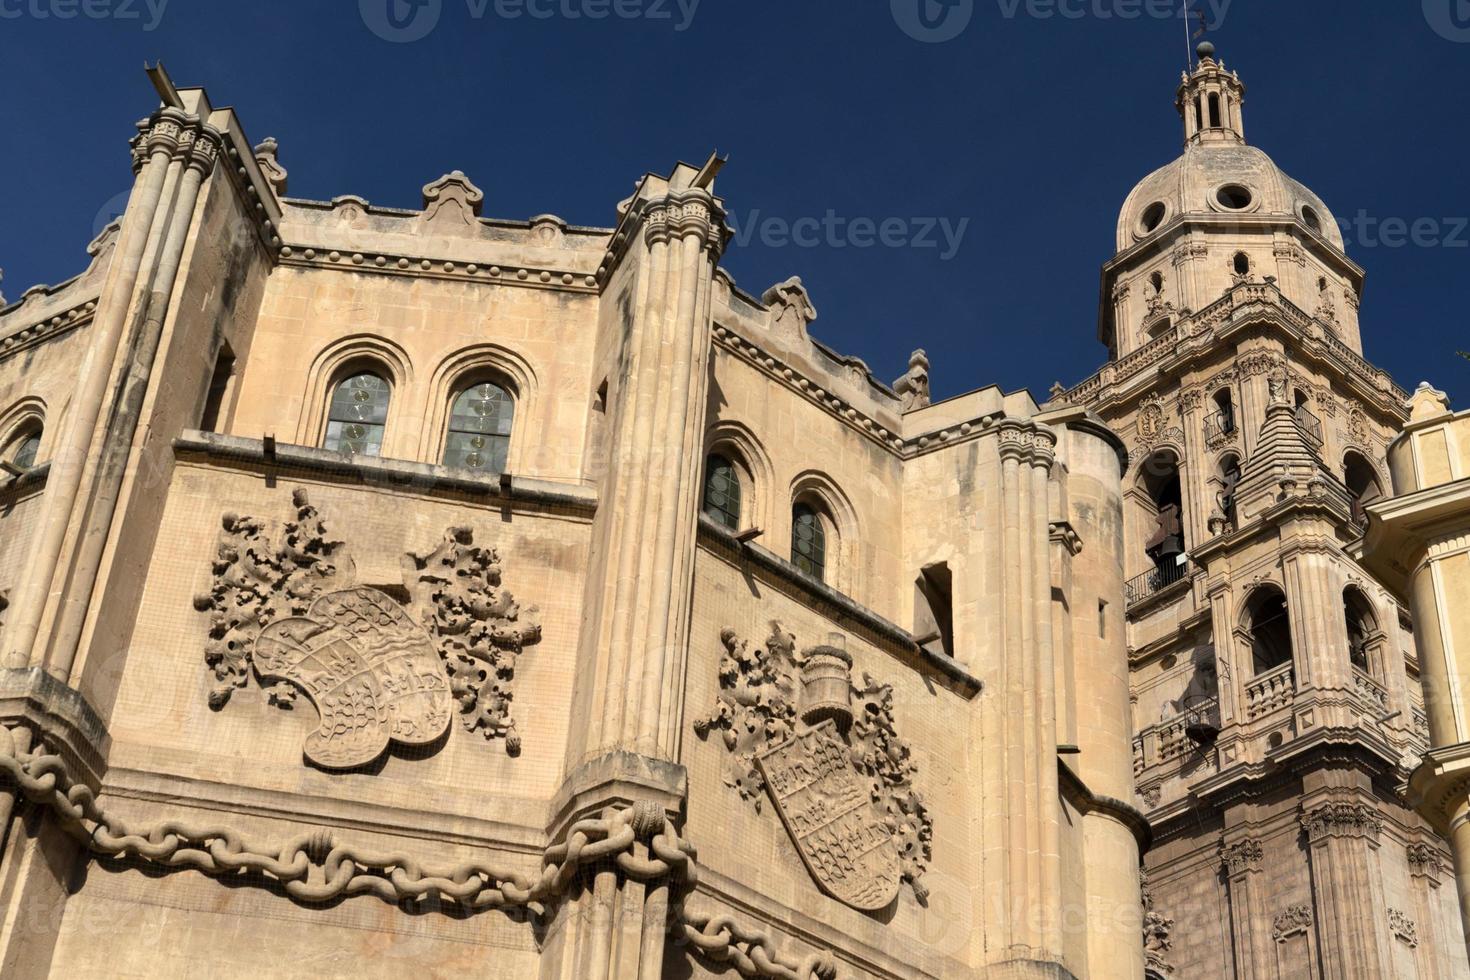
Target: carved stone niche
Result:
[[827, 753], [379, 671]]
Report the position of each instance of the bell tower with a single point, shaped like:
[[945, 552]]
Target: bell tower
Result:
[[1274, 680]]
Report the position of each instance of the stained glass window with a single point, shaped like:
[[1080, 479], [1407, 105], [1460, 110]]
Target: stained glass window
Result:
[[356, 416], [722, 492], [479, 428], [808, 541], [24, 454]]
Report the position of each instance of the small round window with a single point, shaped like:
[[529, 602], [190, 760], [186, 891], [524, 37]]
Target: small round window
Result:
[[1311, 218], [1153, 216], [1234, 197]]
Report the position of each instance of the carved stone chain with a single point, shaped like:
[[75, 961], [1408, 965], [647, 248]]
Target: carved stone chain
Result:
[[312, 868]]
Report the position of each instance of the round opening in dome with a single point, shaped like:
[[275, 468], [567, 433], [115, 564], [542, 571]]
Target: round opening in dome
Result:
[[1236, 197], [1311, 218], [1153, 216]]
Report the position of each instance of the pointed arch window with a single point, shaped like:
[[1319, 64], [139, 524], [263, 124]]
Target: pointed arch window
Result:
[[722, 491], [480, 424], [357, 415], [22, 451], [808, 541]]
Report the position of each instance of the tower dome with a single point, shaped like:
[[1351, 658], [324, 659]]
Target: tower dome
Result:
[[1219, 174]]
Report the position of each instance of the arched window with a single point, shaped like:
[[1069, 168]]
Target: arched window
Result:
[[808, 541], [1362, 484], [1222, 423], [1242, 264], [1214, 111], [1157, 281], [1361, 625], [357, 414], [479, 428], [1166, 546], [1229, 479], [21, 453], [1270, 630], [722, 491]]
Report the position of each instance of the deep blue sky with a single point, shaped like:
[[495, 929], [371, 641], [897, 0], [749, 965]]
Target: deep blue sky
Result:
[[1033, 128]]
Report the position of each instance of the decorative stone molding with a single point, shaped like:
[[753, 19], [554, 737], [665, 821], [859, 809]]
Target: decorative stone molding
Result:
[[1357, 427], [53, 326], [1424, 861], [294, 613], [1290, 252], [275, 174], [1191, 398], [913, 387], [776, 705], [326, 257], [1403, 927], [1341, 819], [791, 308], [479, 627], [639, 843], [1255, 363], [1242, 856], [1295, 921], [452, 205], [1153, 426], [1427, 402]]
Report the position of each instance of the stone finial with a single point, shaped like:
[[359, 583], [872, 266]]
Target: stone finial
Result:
[[913, 387], [1427, 402], [452, 203], [791, 307], [275, 174]]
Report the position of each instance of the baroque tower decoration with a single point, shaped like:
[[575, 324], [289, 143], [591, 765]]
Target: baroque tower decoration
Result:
[[1275, 683]]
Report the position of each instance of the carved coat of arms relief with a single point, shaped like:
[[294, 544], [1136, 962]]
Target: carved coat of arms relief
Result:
[[826, 754], [378, 670]]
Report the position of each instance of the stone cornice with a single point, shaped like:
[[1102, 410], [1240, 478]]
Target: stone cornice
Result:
[[399, 475], [48, 329], [1246, 306], [415, 266], [896, 639], [1085, 800]]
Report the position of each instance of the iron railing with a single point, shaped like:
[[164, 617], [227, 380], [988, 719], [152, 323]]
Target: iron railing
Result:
[[1155, 581], [1310, 425], [1220, 424]]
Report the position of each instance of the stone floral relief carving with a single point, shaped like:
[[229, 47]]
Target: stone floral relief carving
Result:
[[1295, 921], [378, 671], [781, 712], [1403, 927]]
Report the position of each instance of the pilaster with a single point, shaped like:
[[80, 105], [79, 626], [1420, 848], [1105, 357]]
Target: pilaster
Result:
[[1342, 838]]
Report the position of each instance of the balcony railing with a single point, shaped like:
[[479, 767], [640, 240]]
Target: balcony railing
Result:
[[1310, 425], [1155, 581], [1270, 692], [1371, 692], [1219, 425]]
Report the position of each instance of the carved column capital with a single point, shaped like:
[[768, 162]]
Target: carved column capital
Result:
[[1424, 862], [1341, 819], [685, 213], [1242, 856]]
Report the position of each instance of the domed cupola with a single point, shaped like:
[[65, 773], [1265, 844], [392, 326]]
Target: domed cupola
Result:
[[1221, 214], [1219, 172]]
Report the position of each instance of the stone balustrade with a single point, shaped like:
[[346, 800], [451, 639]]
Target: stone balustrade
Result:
[[1270, 692]]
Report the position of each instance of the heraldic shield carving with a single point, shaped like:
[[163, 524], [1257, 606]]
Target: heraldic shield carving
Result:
[[286, 608], [828, 755], [371, 672], [838, 831]]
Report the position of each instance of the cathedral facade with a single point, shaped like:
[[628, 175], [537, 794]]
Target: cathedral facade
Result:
[[394, 590]]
